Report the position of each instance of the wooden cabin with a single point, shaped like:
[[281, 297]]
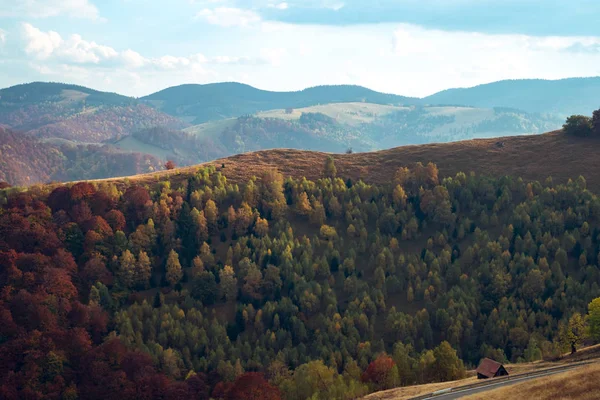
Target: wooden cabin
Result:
[[490, 369]]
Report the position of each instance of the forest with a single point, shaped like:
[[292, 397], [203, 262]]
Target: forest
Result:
[[283, 288], [25, 160]]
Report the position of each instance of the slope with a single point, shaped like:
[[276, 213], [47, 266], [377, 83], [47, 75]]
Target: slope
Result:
[[202, 103], [564, 96], [77, 113], [25, 160], [532, 157]]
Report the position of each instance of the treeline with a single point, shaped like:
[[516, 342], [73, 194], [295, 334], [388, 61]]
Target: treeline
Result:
[[288, 288]]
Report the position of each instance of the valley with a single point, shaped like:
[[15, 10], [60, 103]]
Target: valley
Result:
[[191, 124]]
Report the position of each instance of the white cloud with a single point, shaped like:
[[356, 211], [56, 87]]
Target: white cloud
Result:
[[40, 44], [133, 59], [2, 36], [75, 49], [229, 17], [48, 8]]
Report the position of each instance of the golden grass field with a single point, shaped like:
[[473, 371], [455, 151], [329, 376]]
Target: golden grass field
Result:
[[577, 384], [532, 157]]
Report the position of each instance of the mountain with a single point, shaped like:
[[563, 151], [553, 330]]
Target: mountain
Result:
[[563, 97], [77, 113], [202, 103], [235, 280], [233, 118], [26, 160], [532, 157], [335, 128]]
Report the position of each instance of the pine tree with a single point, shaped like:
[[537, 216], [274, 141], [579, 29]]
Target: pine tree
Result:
[[329, 170], [174, 272], [228, 283], [143, 271], [127, 269]]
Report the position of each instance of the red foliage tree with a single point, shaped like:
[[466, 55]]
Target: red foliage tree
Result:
[[59, 199], [378, 370], [252, 386], [82, 191], [116, 220], [170, 165]]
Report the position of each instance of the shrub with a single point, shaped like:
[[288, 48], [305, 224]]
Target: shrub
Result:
[[578, 125], [596, 123]]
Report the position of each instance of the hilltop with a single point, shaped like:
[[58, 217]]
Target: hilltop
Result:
[[232, 118], [56, 110], [563, 96], [532, 157], [184, 284], [202, 103]]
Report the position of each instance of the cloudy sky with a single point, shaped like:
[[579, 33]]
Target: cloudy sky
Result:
[[408, 47]]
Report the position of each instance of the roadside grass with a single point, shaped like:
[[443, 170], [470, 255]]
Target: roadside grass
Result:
[[578, 384]]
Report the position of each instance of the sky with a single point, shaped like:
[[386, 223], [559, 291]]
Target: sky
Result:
[[406, 47]]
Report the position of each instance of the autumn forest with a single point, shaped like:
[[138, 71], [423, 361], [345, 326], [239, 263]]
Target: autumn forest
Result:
[[283, 288]]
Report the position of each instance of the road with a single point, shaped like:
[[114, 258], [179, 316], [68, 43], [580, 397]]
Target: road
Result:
[[467, 392]]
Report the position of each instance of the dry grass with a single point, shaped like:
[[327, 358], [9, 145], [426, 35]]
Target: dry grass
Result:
[[404, 393], [408, 392], [533, 157], [578, 384]]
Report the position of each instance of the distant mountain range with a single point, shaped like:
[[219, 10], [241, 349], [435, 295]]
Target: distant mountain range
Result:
[[196, 123], [202, 103]]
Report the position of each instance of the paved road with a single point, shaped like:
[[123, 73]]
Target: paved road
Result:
[[492, 386]]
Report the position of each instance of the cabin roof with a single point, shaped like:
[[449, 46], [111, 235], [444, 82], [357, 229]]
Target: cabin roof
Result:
[[488, 367]]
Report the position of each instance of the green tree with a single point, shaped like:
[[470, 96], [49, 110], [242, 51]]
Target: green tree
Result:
[[447, 364], [127, 269], [578, 125], [573, 332], [329, 171], [173, 268], [143, 270], [228, 283], [596, 123], [593, 319]]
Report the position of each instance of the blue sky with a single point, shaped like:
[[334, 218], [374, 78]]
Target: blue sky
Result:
[[407, 47]]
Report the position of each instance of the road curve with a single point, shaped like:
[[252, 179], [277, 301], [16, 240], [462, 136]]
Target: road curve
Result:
[[467, 392]]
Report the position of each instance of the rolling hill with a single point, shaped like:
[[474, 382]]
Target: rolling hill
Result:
[[51, 110], [202, 103], [532, 157], [564, 97], [26, 160], [335, 128], [233, 118], [185, 284]]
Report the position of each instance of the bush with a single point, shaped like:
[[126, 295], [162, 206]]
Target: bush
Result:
[[596, 123], [578, 125]]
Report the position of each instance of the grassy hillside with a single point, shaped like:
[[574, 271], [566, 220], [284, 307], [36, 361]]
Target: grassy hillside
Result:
[[339, 126], [533, 157], [564, 97], [202, 103], [578, 384]]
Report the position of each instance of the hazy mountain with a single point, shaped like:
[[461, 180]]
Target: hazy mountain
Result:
[[334, 128], [202, 103], [564, 97], [77, 113], [25, 160], [233, 118]]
